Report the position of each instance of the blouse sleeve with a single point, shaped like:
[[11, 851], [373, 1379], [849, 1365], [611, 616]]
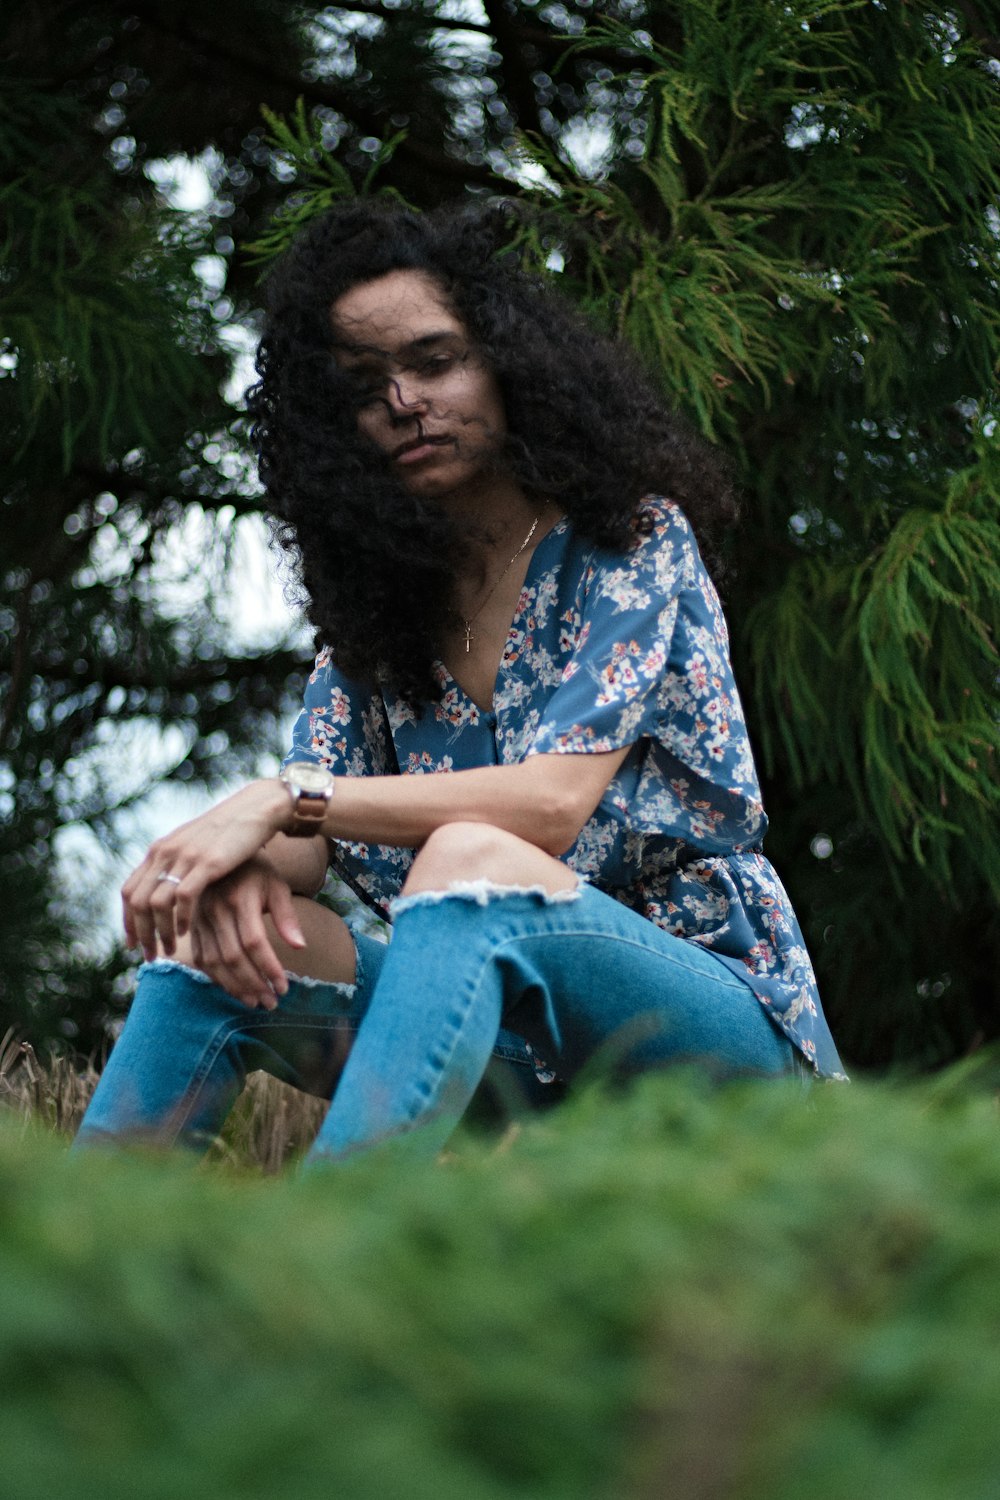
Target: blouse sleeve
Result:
[[343, 726], [648, 665]]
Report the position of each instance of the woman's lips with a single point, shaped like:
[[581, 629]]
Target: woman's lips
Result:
[[417, 452]]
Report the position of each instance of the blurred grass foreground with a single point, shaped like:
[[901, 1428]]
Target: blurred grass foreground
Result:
[[749, 1294]]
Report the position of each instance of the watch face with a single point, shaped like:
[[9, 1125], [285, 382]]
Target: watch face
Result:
[[308, 778]]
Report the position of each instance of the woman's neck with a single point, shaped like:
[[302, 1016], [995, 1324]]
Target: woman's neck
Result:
[[495, 519]]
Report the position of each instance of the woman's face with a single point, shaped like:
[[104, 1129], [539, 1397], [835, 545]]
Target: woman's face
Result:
[[425, 395]]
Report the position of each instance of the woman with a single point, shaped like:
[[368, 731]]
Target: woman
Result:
[[468, 476]]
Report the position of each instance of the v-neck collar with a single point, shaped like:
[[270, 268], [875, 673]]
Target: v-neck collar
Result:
[[441, 671]]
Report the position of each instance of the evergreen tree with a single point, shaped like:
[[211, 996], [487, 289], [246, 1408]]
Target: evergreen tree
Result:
[[114, 434], [790, 209]]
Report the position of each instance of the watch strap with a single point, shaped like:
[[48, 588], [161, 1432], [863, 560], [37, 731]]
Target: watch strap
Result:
[[309, 805]]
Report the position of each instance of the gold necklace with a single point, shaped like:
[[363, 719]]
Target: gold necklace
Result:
[[500, 577]]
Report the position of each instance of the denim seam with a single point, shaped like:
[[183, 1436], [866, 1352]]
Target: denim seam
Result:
[[222, 1035]]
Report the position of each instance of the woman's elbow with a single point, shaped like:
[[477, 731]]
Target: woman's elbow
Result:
[[558, 827]]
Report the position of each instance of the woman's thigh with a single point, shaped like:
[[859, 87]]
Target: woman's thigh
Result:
[[598, 984]]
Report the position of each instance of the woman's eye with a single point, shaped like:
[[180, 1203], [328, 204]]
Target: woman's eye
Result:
[[438, 364], [369, 386]]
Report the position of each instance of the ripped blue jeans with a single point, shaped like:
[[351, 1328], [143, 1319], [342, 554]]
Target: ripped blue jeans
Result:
[[584, 980]]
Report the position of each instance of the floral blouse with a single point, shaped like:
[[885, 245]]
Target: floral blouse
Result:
[[607, 650]]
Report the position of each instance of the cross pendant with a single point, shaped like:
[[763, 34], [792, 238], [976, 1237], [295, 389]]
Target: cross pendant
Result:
[[468, 638]]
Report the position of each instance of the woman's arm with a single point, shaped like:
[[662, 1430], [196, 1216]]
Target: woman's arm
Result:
[[546, 800], [300, 863]]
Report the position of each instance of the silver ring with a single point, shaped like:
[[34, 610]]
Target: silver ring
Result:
[[166, 875]]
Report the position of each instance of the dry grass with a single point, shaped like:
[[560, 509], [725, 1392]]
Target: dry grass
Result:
[[54, 1093], [271, 1123]]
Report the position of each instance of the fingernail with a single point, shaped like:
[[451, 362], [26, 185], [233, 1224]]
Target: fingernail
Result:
[[298, 937]]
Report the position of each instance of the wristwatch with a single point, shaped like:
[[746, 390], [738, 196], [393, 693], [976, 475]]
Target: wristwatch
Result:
[[310, 788]]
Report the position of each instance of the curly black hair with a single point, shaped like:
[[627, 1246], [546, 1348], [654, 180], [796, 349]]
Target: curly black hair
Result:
[[585, 429]]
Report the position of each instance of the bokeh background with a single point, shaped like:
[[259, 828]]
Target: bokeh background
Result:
[[792, 211]]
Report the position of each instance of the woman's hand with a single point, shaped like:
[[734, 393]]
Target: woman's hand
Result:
[[229, 941], [161, 896]]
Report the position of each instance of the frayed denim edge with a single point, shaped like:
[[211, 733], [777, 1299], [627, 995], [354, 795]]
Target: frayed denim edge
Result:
[[482, 892], [158, 965]]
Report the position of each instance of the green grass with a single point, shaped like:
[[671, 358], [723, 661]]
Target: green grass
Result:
[[741, 1295]]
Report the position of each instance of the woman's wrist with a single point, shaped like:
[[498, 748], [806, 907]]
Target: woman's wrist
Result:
[[266, 800]]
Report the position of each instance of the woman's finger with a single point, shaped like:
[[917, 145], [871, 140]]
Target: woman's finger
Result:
[[257, 946], [138, 896], [210, 959], [206, 952], [149, 897], [240, 975], [128, 921], [133, 913], [187, 896], [197, 944], [282, 909], [168, 888]]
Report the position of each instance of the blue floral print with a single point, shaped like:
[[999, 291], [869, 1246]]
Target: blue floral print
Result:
[[607, 651]]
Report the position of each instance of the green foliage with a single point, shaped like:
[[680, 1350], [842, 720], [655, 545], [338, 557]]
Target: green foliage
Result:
[[109, 402], [791, 210], [321, 180], [744, 1293], [876, 655], [103, 315]]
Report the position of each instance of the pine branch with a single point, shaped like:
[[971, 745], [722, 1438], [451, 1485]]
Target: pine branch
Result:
[[542, 37], [537, 36], [264, 68], [151, 493]]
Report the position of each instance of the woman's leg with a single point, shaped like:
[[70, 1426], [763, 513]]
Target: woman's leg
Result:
[[187, 1045], [573, 971]]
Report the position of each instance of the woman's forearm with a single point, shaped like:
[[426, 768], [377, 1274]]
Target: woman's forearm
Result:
[[301, 863], [525, 799], [545, 800]]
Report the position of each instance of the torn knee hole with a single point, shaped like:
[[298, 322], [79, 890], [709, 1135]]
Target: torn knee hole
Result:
[[482, 892]]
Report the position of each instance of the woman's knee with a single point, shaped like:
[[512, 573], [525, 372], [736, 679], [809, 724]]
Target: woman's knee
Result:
[[479, 851], [329, 953]]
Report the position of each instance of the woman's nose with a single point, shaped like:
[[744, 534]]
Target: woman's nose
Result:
[[404, 395]]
